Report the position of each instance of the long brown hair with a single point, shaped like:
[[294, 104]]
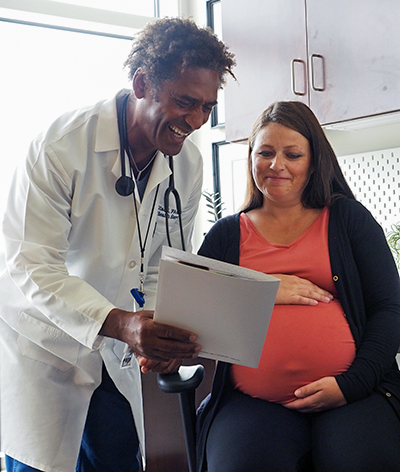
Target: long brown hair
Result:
[[326, 182]]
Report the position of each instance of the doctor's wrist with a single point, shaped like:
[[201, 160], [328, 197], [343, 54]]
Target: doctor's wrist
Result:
[[115, 324]]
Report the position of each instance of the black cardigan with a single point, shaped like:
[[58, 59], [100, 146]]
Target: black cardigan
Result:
[[367, 282]]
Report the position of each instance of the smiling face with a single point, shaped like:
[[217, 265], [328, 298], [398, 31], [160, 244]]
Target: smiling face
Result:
[[164, 118], [281, 161]]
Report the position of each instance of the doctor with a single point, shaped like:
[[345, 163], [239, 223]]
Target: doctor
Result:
[[85, 224]]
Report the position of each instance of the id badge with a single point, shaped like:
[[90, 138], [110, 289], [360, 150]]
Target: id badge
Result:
[[127, 358]]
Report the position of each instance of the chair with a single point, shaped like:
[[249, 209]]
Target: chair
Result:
[[185, 382]]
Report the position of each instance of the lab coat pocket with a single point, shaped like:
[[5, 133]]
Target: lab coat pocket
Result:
[[159, 236], [44, 343], [36, 353]]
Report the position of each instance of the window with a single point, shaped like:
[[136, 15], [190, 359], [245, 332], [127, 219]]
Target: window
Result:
[[52, 64], [134, 7], [231, 158], [50, 71], [214, 21], [230, 184], [149, 8]]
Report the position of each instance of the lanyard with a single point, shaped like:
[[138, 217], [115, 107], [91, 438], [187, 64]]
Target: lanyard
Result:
[[138, 293], [126, 185]]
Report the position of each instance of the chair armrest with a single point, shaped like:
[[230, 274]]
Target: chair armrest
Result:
[[189, 377], [185, 382]]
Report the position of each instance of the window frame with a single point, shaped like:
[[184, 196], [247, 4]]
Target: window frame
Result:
[[214, 120]]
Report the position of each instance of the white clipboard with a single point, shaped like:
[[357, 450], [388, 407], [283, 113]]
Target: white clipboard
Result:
[[227, 306]]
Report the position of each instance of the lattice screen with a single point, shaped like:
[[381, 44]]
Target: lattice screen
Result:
[[375, 180]]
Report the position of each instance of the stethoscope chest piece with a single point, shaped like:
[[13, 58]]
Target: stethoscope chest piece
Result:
[[124, 186]]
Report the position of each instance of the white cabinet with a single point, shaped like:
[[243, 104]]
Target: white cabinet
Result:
[[340, 57], [358, 43], [266, 39]]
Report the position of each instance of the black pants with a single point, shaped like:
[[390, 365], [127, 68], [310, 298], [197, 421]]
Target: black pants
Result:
[[109, 441], [249, 434]]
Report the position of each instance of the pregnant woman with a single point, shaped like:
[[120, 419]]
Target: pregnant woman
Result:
[[326, 394]]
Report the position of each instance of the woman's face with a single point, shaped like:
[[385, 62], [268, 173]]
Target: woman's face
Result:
[[281, 161]]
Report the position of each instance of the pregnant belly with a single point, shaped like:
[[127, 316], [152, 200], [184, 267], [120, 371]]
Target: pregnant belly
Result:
[[303, 344]]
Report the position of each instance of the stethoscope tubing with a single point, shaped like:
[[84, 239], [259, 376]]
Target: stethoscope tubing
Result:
[[125, 185], [171, 189]]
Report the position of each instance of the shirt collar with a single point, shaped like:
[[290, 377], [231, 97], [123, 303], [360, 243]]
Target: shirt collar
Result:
[[107, 136], [107, 139]]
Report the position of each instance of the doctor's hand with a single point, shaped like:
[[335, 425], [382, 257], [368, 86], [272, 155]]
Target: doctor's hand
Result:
[[295, 290], [149, 339], [323, 394]]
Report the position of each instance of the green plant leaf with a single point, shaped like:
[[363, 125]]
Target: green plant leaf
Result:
[[214, 205]]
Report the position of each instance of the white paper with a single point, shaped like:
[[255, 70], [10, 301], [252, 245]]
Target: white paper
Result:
[[227, 306]]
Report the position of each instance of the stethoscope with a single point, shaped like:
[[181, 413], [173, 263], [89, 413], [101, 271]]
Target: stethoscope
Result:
[[125, 184]]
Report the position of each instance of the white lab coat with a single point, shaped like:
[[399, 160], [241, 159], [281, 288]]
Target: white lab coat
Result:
[[72, 254]]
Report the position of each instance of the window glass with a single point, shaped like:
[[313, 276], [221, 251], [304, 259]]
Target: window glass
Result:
[[46, 72], [134, 7], [214, 21], [230, 170], [168, 8], [217, 18]]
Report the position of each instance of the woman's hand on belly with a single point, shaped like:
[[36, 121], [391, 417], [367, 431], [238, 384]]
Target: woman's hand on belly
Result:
[[295, 290], [323, 394]]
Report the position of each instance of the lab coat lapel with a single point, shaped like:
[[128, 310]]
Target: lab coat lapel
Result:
[[107, 135], [158, 176], [159, 172]]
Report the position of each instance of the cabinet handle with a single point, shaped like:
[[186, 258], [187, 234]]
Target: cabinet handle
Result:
[[295, 66], [317, 83]]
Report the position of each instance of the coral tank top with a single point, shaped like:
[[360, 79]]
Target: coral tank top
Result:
[[303, 343]]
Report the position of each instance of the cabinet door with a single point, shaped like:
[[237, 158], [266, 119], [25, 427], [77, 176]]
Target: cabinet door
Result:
[[269, 40], [357, 43]]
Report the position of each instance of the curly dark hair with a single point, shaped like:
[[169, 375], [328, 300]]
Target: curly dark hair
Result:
[[165, 47]]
